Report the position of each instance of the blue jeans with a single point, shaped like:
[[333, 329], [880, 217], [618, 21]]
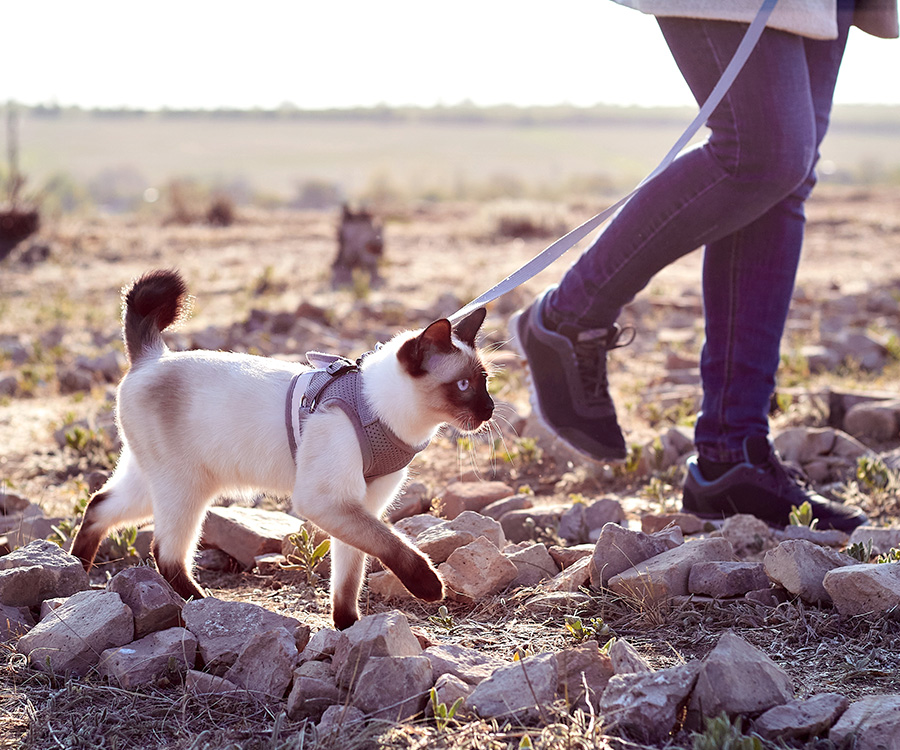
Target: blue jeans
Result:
[[741, 194]]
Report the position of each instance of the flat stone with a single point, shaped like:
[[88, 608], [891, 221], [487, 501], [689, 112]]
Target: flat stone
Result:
[[72, 638], [687, 522], [800, 567], [460, 496], [150, 597], [478, 525], [725, 578], [224, 628], [439, 542], [646, 705], [565, 556], [145, 661], [245, 533], [801, 719], [499, 508], [619, 549], [202, 683], [39, 570], [822, 537], [573, 578], [321, 645], [666, 574], [412, 526], [872, 722], [518, 691], [749, 535], [872, 588], [577, 523], [532, 524]]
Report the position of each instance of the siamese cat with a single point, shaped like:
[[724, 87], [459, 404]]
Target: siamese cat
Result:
[[337, 438]]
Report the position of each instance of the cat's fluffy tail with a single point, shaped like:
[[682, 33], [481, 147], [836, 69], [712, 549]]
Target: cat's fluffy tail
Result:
[[151, 304]]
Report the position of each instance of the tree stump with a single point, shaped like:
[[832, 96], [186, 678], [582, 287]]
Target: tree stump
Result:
[[360, 248]]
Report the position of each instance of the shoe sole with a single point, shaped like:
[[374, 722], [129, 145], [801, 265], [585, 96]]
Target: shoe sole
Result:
[[516, 343]]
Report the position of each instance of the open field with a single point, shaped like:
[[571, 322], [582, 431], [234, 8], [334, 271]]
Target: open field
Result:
[[439, 254], [414, 155]]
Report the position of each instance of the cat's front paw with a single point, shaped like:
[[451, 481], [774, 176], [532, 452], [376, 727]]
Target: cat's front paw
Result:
[[425, 584]]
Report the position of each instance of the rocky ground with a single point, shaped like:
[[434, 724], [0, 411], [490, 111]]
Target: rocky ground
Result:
[[262, 285]]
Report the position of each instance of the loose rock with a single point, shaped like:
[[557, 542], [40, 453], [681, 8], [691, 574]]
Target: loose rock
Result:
[[619, 549], [864, 589], [476, 570], [801, 719], [646, 705], [150, 597], [800, 567], [518, 691], [666, 575], [72, 638], [161, 654], [224, 628], [738, 678], [40, 570]]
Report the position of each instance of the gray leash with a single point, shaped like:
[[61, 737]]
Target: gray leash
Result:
[[565, 243]]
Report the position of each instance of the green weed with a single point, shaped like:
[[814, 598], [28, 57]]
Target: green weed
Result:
[[443, 716], [306, 554], [443, 619], [721, 734], [593, 629], [803, 516]]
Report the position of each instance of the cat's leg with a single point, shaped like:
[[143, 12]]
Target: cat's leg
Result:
[[348, 522], [179, 505], [348, 566], [124, 499]]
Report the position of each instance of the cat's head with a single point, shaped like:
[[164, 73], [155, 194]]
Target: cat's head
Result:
[[444, 361]]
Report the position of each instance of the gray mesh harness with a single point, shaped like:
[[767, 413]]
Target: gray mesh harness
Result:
[[339, 383]]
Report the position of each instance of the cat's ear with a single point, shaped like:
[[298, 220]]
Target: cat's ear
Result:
[[435, 338], [467, 329]]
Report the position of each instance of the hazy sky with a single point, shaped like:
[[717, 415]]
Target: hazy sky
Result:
[[342, 53]]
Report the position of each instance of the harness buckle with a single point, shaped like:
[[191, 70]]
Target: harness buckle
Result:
[[339, 366]]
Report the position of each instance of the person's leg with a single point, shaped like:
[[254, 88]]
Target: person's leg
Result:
[[761, 148], [748, 283], [748, 280]]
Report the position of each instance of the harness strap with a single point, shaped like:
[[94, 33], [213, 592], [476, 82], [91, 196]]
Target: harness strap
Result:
[[336, 381]]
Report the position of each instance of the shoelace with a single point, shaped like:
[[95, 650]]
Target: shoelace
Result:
[[590, 351]]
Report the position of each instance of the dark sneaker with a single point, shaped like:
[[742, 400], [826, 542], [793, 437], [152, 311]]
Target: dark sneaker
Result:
[[764, 487], [569, 388]]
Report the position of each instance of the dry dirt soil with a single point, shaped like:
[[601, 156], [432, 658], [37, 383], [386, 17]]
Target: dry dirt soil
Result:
[[437, 258]]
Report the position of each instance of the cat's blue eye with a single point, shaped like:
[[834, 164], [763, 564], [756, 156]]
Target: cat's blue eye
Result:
[[463, 384]]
